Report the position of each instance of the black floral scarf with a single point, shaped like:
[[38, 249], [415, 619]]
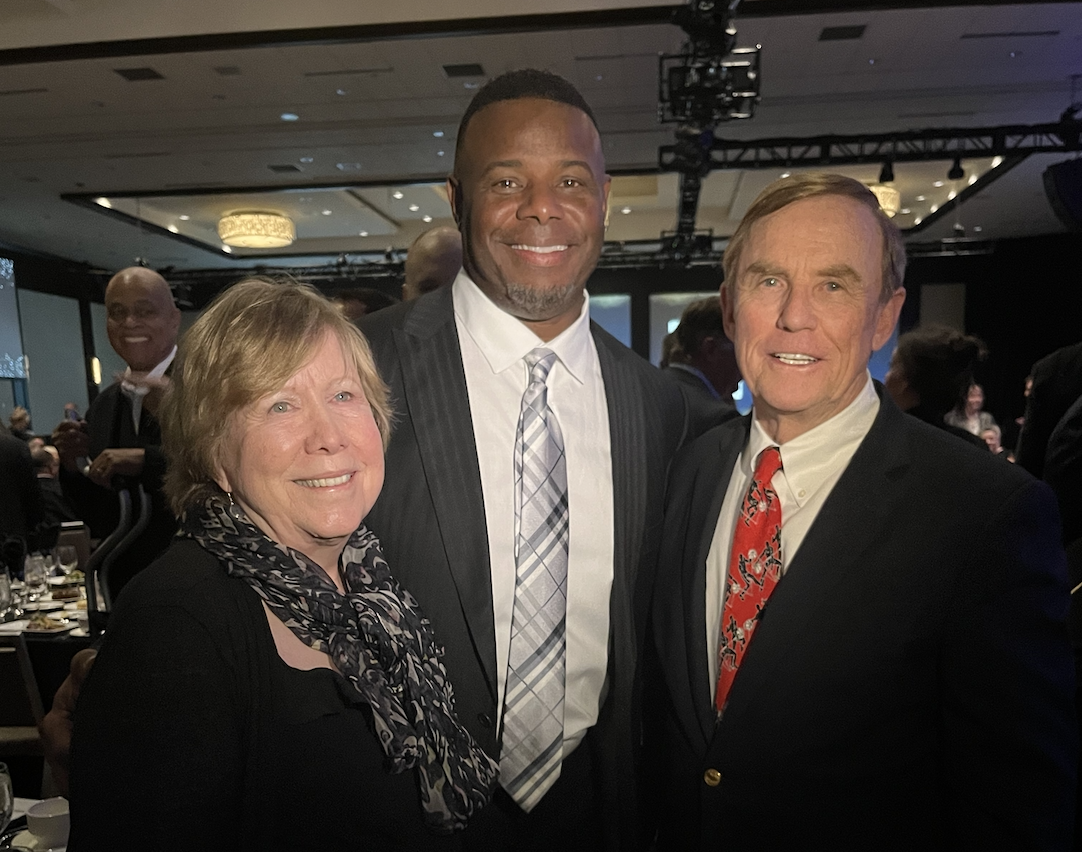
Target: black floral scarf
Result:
[[378, 639]]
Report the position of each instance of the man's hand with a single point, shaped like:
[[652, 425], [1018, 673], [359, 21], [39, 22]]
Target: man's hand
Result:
[[56, 727], [72, 442], [116, 462]]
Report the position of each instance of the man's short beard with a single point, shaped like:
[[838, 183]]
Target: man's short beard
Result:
[[536, 304]]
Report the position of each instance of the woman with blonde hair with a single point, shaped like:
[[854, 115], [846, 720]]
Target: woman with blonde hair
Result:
[[266, 684]]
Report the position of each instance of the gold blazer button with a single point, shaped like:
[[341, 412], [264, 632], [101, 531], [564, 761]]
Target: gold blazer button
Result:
[[712, 777]]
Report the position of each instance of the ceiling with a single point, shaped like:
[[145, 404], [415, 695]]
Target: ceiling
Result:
[[100, 168]]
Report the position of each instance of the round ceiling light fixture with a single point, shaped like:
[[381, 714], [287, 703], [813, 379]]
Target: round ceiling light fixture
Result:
[[256, 230], [890, 200]]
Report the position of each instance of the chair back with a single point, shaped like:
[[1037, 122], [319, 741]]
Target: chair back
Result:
[[20, 702], [77, 535]]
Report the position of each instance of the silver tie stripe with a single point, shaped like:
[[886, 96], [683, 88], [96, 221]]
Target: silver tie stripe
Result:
[[533, 716]]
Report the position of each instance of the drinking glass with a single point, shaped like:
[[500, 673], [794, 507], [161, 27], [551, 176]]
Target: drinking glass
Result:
[[5, 594], [7, 798], [34, 575], [67, 557]]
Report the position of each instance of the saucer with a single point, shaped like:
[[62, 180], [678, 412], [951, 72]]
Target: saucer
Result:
[[30, 841]]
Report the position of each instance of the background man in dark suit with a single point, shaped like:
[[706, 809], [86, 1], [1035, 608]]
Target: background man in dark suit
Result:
[[1057, 383], [529, 192], [120, 437], [907, 684], [704, 363], [20, 499]]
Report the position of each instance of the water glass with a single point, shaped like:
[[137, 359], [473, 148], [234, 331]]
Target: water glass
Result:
[[6, 595], [67, 557], [35, 576], [7, 797]]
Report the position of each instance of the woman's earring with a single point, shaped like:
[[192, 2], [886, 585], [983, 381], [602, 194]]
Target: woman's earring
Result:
[[235, 511]]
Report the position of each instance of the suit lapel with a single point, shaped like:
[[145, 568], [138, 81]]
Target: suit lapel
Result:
[[627, 448], [862, 504], [434, 386], [710, 486]]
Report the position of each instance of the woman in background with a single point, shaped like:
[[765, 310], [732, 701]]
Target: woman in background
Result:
[[266, 684], [968, 414]]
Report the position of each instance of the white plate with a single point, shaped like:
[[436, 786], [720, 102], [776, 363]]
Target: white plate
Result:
[[13, 628], [79, 633], [43, 605], [25, 838], [60, 628], [73, 606]]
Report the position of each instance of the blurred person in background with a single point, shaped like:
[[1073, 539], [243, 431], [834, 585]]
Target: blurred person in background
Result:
[[119, 443], [267, 684], [361, 301], [968, 412], [55, 507], [930, 370], [433, 261], [19, 422]]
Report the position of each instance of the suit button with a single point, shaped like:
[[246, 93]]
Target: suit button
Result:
[[712, 777], [484, 719]]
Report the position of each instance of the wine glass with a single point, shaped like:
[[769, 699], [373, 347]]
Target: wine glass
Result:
[[67, 557], [34, 576], [7, 798]]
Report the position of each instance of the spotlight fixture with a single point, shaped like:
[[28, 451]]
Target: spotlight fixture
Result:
[[956, 172], [256, 230], [886, 174]]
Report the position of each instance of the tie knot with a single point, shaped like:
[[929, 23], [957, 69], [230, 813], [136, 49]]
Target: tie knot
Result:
[[768, 463], [540, 361]]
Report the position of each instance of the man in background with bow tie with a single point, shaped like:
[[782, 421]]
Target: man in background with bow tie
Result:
[[118, 445], [860, 621]]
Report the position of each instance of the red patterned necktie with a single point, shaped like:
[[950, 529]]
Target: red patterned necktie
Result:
[[754, 569]]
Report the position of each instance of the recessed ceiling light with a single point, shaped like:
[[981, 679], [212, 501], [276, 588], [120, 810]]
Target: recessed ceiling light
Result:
[[972, 179], [916, 221], [184, 217], [996, 162], [785, 174], [599, 78], [289, 116], [326, 212], [933, 208], [471, 85], [919, 198], [977, 228], [227, 249], [438, 134], [439, 153], [414, 208], [937, 183], [364, 233], [1014, 54], [173, 229], [426, 218], [348, 167], [951, 195], [905, 211], [308, 159], [396, 194], [340, 91], [625, 210], [104, 202]]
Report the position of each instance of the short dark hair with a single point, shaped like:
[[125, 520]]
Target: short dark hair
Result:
[[937, 362], [517, 85], [701, 319]]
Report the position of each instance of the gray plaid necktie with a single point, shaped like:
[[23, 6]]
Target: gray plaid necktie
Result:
[[533, 715]]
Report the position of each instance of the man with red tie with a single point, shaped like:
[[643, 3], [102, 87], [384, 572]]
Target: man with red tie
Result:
[[860, 623]]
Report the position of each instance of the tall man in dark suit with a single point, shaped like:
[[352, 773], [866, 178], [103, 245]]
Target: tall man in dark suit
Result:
[[529, 193], [20, 499], [860, 621], [121, 439], [1056, 384]]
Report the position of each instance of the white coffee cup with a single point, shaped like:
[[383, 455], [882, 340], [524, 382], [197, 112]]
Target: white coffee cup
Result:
[[49, 822]]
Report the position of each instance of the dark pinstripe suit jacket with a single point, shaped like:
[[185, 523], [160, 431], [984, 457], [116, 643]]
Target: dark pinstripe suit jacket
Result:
[[431, 521]]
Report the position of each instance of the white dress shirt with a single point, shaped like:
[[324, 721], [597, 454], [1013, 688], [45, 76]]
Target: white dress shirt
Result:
[[135, 387], [812, 464], [494, 345]]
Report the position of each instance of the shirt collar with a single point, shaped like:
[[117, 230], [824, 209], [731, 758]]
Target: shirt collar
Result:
[[504, 341], [812, 458], [131, 378]]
